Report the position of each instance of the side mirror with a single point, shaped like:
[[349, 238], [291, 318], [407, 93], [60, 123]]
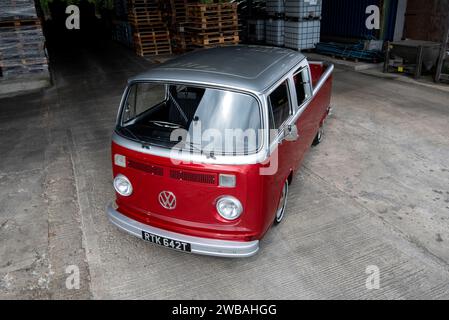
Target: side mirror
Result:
[[290, 133]]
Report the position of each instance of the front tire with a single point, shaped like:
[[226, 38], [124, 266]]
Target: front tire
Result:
[[282, 204], [318, 137]]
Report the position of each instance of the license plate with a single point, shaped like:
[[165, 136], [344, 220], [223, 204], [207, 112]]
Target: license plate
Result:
[[166, 242]]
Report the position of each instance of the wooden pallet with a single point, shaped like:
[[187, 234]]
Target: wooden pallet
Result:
[[19, 32], [212, 24], [22, 69], [25, 61], [148, 15], [20, 23], [23, 41], [24, 49], [159, 33], [155, 50], [145, 19], [26, 65], [219, 25], [143, 3], [210, 13], [161, 46], [179, 6], [17, 10], [212, 19], [205, 40], [153, 33], [209, 34], [144, 10], [10, 30], [211, 8], [146, 27], [153, 39]]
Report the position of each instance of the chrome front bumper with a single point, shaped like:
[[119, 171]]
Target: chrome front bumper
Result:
[[205, 246]]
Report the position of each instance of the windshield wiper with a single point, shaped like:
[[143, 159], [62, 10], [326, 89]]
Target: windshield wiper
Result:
[[131, 133], [209, 155], [145, 144], [165, 124]]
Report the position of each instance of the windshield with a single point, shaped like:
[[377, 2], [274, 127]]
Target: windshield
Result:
[[195, 118]]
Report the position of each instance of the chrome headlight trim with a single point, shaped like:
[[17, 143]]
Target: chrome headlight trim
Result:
[[230, 201], [119, 181]]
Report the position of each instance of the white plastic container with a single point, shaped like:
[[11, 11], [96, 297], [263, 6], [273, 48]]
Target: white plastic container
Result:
[[256, 30], [302, 35], [303, 9], [275, 7], [274, 32]]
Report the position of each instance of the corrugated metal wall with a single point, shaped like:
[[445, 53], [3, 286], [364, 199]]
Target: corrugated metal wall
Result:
[[345, 19]]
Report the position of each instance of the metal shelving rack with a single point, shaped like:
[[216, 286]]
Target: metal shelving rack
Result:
[[443, 56]]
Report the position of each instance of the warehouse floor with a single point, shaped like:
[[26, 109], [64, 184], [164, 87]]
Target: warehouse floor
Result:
[[374, 193]]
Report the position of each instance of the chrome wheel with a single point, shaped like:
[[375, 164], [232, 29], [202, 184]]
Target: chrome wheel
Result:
[[282, 203]]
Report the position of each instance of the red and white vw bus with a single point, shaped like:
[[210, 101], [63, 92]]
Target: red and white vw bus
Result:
[[206, 144]]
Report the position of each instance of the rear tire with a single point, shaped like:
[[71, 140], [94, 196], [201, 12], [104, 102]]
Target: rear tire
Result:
[[282, 204], [318, 137]]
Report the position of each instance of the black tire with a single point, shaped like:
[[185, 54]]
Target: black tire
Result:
[[318, 137], [280, 212]]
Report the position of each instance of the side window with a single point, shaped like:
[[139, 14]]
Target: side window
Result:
[[142, 97], [302, 86], [279, 105]]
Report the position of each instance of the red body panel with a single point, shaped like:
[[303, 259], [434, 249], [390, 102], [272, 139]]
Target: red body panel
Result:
[[195, 213]]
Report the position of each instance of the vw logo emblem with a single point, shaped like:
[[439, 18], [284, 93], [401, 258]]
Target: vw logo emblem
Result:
[[167, 200]]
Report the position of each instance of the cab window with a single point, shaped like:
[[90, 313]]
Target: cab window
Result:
[[141, 98], [279, 105], [302, 86]]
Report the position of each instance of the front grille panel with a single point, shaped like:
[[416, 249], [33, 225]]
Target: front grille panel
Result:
[[193, 176], [158, 171]]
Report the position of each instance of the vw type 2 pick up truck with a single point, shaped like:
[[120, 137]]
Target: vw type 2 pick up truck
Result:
[[206, 144]]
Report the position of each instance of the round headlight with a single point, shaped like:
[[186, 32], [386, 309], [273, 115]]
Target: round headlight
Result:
[[122, 185], [229, 207]]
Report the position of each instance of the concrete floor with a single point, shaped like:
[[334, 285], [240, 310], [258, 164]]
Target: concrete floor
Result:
[[375, 192]]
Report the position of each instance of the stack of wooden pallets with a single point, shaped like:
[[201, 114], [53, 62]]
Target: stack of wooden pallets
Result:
[[178, 13], [180, 39], [22, 43], [213, 24], [151, 35]]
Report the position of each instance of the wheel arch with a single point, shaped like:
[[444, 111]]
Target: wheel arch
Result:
[[290, 177]]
